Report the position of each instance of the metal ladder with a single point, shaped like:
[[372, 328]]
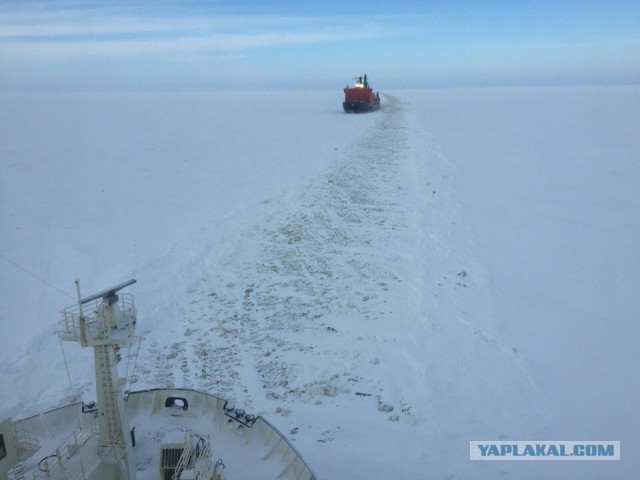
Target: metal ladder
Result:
[[110, 398]]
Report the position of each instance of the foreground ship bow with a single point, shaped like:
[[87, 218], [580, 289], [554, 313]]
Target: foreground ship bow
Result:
[[360, 98], [163, 433]]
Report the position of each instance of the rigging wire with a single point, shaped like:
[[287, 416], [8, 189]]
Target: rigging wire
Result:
[[37, 277], [126, 374], [73, 393], [66, 365], [64, 356], [135, 363]]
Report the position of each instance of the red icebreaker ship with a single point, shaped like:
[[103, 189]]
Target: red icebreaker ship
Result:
[[360, 98]]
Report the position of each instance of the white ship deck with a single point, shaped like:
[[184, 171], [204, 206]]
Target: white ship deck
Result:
[[248, 447]]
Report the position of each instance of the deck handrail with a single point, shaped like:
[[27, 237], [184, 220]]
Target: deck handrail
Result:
[[74, 316]]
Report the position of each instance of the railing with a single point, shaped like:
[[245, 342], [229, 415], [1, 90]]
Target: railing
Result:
[[96, 324], [205, 467], [63, 462], [197, 455], [27, 440], [16, 473], [185, 458]]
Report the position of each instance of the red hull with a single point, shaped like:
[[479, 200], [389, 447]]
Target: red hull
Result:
[[360, 98], [360, 95]]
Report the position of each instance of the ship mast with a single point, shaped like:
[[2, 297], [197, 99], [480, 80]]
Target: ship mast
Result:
[[106, 321]]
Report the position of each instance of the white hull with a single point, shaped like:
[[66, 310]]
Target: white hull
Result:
[[249, 448]]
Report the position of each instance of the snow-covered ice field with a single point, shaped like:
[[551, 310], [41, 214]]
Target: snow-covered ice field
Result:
[[461, 265]]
